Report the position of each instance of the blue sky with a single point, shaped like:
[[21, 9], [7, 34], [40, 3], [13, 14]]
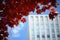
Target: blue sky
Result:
[[20, 32]]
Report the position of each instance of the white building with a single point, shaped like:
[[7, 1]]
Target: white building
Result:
[[43, 28]]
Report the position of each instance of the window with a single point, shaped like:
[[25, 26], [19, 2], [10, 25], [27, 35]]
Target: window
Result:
[[33, 37], [42, 23], [37, 30], [53, 35], [59, 39], [41, 18], [32, 24], [58, 35], [37, 24], [57, 30], [48, 36], [53, 30], [42, 28], [52, 25], [56, 20], [31, 18], [59, 17], [46, 18], [43, 36], [57, 25], [38, 36], [47, 30], [47, 24], [36, 18]]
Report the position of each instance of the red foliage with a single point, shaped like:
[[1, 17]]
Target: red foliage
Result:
[[5, 34], [52, 9], [52, 15], [38, 11], [14, 10], [23, 20], [5, 28], [37, 7]]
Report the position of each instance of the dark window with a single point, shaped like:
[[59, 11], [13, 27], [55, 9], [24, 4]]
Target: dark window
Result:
[[48, 36], [38, 36], [43, 36], [58, 35]]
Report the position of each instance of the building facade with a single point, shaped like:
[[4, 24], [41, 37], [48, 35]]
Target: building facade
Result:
[[43, 28]]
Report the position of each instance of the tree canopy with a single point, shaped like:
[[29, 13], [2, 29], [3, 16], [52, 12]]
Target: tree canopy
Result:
[[14, 10]]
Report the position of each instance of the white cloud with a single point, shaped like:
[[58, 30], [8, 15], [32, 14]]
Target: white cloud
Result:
[[14, 32], [17, 29]]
